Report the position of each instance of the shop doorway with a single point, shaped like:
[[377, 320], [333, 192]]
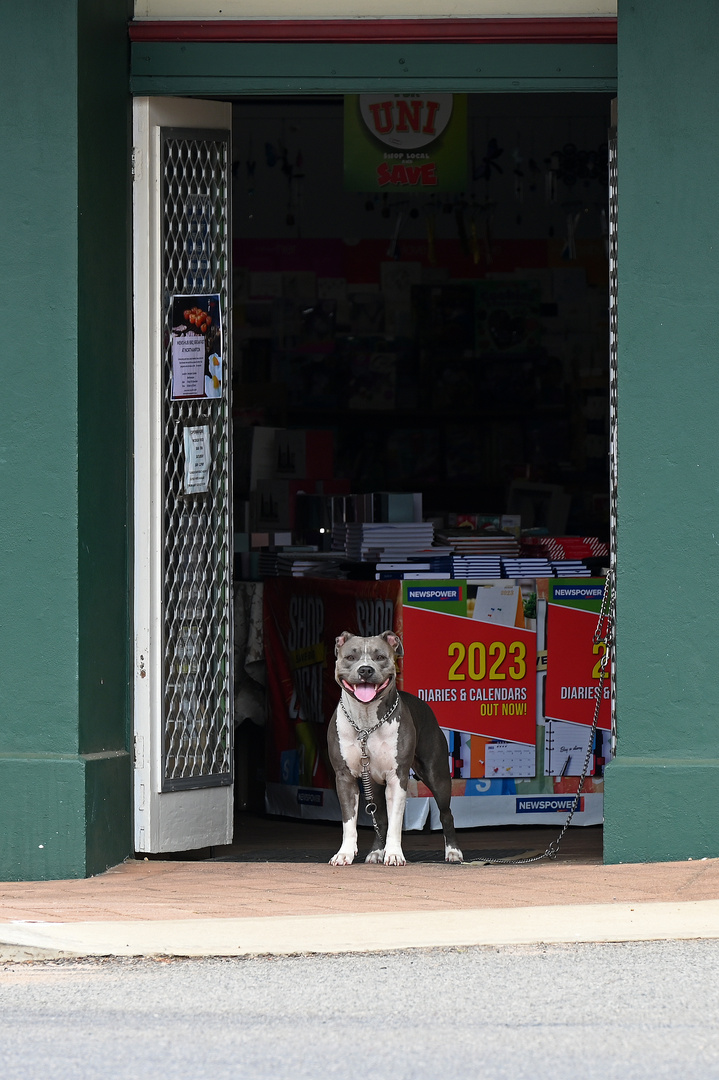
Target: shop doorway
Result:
[[352, 319], [355, 316]]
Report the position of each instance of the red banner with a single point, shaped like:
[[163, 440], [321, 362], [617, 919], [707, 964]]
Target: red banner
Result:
[[302, 618], [573, 664], [478, 677]]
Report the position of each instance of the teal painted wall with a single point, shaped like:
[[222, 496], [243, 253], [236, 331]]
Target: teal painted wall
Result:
[[224, 68], [64, 625], [104, 365], [662, 798], [38, 283]]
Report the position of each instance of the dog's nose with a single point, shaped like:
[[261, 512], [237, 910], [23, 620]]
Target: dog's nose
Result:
[[365, 673]]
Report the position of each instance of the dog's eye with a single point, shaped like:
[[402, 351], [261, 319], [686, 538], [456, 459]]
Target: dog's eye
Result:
[[380, 657], [351, 657]]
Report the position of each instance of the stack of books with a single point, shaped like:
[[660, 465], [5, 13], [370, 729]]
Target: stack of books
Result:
[[383, 541], [570, 568], [476, 568], [267, 563], [339, 535], [565, 547], [526, 568], [417, 568], [570, 556], [477, 556], [300, 562], [309, 564]]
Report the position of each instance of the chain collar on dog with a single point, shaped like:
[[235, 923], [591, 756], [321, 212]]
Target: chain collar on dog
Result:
[[363, 735], [364, 732]]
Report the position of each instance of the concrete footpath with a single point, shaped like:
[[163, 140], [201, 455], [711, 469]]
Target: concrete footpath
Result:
[[154, 908]]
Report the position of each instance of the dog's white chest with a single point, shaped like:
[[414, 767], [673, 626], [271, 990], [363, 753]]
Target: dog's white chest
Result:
[[381, 749]]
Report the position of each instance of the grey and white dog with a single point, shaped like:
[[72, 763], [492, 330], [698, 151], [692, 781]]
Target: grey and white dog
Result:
[[400, 732]]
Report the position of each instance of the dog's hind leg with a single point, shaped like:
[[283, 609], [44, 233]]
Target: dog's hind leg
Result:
[[348, 795], [442, 794], [376, 855], [437, 778]]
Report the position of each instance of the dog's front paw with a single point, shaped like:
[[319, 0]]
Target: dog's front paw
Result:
[[453, 854], [343, 858], [375, 856], [394, 858]]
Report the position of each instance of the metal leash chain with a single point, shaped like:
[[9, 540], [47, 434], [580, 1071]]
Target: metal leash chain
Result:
[[602, 636], [363, 735], [370, 804]]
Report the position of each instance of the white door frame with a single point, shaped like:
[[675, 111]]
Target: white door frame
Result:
[[193, 817]]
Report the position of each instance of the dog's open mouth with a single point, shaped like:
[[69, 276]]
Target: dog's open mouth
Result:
[[364, 692]]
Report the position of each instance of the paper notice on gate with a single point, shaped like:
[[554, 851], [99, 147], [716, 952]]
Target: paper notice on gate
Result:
[[197, 459], [188, 366]]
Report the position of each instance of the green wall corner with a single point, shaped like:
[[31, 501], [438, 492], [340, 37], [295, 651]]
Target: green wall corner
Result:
[[661, 810], [660, 795], [108, 810], [63, 816], [104, 241], [64, 472]]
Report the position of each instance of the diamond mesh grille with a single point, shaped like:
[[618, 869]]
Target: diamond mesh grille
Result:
[[613, 220], [197, 717]]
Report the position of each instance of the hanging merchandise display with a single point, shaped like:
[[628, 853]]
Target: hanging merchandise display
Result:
[[574, 672], [478, 674], [405, 142], [577, 665]]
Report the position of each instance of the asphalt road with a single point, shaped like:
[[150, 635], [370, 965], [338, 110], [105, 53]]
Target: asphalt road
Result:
[[585, 1012]]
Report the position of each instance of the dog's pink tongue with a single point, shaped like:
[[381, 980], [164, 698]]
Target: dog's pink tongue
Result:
[[364, 692]]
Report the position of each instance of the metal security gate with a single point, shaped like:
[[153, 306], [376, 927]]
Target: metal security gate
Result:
[[196, 564], [183, 539]]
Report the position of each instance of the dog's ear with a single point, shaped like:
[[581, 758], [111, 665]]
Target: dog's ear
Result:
[[339, 641], [394, 642]]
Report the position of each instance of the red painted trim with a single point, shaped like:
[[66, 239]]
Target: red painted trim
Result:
[[519, 31]]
